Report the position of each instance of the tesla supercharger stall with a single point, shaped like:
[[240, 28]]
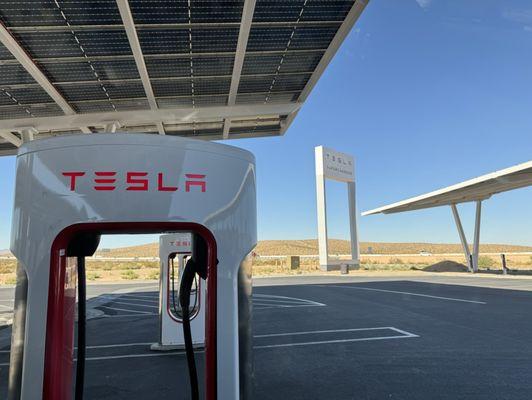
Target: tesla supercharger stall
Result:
[[76, 187], [174, 250]]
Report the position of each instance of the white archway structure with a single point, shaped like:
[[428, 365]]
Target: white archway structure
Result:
[[336, 166]]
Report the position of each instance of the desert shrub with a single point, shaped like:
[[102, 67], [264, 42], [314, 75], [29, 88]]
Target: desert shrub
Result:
[[107, 267], [131, 266], [485, 261], [386, 267], [92, 276], [395, 260], [129, 274], [6, 269], [8, 266], [154, 275]]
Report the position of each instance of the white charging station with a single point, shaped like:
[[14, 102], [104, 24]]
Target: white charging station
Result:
[[174, 249], [126, 184]]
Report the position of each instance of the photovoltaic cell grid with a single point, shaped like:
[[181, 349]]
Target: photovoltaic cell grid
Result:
[[189, 49]]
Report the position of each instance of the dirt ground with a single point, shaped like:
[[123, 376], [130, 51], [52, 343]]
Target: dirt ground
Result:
[[111, 271]]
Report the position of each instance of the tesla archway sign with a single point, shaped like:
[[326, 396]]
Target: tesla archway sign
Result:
[[337, 166]]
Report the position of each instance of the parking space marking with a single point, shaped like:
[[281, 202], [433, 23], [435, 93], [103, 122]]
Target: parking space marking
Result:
[[268, 301], [126, 310], [407, 293], [336, 331], [264, 306], [134, 304], [401, 335], [271, 297], [141, 298], [148, 314], [144, 300], [274, 302], [111, 346], [271, 346]]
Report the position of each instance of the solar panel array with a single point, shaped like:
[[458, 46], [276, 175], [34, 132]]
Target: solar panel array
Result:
[[189, 48]]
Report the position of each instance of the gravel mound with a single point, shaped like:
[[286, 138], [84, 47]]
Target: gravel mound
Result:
[[446, 266]]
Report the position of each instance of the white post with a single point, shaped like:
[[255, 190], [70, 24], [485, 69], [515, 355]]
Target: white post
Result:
[[355, 247], [463, 239], [27, 134], [112, 127], [322, 209], [331, 164], [476, 243]]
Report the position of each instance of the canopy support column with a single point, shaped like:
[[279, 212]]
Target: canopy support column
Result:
[[27, 134], [463, 239], [112, 127], [476, 242], [322, 221]]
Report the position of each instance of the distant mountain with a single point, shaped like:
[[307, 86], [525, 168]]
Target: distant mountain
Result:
[[336, 246], [5, 252]]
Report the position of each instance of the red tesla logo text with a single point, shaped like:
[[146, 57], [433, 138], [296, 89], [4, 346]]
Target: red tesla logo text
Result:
[[135, 181], [181, 243]]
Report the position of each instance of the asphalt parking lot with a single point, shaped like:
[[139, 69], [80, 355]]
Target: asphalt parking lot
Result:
[[332, 338]]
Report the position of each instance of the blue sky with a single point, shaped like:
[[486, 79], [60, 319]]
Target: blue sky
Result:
[[424, 94]]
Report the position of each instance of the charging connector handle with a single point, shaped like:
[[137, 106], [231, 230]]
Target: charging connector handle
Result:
[[83, 245], [187, 279]]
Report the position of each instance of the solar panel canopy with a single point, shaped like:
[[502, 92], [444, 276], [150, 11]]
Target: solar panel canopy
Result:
[[209, 69], [476, 189]]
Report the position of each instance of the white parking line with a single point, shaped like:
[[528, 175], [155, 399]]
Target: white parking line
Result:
[[402, 335], [274, 302], [135, 356], [106, 346], [265, 306], [282, 305], [407, 293], [134, 304], [128, 298], [142, 298], [139, 294], [123, 309], [110, 346], [335, 331], [402, 332], [271, 346], [271, 297], [148, 314]]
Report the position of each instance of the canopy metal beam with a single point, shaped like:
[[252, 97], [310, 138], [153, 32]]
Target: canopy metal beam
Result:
[[463, 239], [476, 189], [131, 32], [344, 29], [242, 44], [476, 240], [134, 80], [61, 60], [172, 26], [9, 41], [341, 34], [123, 99], [11, 138], [147, 117]]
